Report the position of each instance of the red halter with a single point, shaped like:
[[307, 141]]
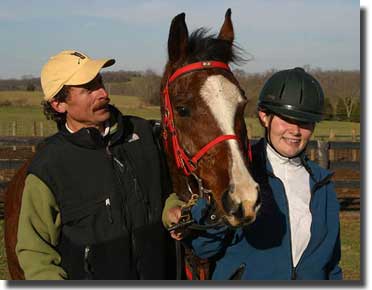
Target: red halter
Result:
[[182, 160]]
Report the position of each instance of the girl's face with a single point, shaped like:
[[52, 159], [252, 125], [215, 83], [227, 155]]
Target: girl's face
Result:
[[287, 136]]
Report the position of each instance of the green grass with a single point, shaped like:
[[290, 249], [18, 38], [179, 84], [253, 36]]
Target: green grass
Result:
[[350, 247], [4, 274], [26, 110]]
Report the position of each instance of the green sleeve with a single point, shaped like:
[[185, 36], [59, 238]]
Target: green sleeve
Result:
[[38, 232], [172, 201]]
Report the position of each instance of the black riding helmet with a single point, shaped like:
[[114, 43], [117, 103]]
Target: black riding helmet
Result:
[[294, 94]]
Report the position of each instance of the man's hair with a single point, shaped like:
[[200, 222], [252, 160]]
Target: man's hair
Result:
[[50, 113]]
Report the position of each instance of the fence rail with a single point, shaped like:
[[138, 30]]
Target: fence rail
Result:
[[341, 157]]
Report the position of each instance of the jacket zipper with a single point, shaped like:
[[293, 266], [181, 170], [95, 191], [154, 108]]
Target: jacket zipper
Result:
[[293, 269]]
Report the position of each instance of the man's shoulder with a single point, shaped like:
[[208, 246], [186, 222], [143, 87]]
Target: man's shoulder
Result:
[[46, 149]]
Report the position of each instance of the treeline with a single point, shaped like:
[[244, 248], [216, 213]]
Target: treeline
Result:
[[341, 88]]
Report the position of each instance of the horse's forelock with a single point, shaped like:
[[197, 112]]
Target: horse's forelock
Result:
[[206, 46]]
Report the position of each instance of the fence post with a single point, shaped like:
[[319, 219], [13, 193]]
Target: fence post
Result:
[[332, 137], [323, 147], [312, 154], [34, 131], [41, 128], [14, 128], [14, 132], [354, 152]]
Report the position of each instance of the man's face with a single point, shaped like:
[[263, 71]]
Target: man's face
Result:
[[288, 137], [87, 105]]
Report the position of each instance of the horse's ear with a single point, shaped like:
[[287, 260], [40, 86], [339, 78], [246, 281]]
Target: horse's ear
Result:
[[227, 29], [178, 38]]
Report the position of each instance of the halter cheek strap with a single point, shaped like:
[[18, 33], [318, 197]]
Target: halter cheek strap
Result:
[[182, 160]]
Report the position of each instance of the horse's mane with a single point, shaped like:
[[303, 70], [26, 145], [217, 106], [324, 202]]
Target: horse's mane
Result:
[[203, 46]]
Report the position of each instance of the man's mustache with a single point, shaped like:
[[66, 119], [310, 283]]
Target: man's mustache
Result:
[[101, 105]]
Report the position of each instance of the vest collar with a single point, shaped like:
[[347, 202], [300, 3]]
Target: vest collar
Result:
[[92, 138]]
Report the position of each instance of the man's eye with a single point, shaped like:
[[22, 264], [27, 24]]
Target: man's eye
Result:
[[183, 111]]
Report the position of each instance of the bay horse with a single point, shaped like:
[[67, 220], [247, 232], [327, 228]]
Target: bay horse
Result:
[[12, 207], [204, 132]]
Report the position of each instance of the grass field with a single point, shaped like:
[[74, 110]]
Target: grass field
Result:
[[350, 240], [24, 108]]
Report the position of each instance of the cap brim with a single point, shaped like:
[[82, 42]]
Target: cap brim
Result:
[[305, 117], [88, 71]]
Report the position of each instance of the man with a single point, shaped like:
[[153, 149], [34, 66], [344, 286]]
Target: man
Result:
[[296, 233], [92, 202]]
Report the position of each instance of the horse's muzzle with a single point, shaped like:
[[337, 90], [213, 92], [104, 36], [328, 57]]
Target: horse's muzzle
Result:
[[242, 213]]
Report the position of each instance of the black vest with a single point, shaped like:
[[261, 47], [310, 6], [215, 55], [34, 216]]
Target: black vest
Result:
[[111, 194]]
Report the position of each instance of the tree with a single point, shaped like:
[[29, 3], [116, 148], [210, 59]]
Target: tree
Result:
[[30, 87], [355, 115], [328, 111], [348, 90], [340, 110]]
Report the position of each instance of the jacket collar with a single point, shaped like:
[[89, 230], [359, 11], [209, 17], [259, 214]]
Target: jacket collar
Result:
[[91, 137], [261, 165], [275, 157]]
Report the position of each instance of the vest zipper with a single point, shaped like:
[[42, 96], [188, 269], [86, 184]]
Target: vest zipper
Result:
[[87, 267], [122, 167], [119, 183], [108, 210]]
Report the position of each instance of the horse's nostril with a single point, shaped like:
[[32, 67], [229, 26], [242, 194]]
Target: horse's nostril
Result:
[[239, 213], [227, 202]]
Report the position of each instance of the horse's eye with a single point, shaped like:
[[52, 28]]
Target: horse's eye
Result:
[[183, 111]]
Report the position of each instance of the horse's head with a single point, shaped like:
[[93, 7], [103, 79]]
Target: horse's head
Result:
[[203, 116]]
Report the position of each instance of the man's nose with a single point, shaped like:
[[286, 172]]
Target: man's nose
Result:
[[102, 92]]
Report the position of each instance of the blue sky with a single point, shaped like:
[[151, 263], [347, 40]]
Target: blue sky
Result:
[[274, 33]]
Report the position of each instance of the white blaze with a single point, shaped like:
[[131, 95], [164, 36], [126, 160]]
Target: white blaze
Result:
[[222, 97]]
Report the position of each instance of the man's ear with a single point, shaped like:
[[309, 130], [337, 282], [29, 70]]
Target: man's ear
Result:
[[60, 107], [264, 118]]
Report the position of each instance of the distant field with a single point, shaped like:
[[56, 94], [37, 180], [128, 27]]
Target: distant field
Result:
[[24, 108]]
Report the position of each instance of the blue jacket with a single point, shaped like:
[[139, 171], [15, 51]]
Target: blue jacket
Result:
[[262, 250]]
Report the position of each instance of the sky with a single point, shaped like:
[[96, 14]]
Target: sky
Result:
[[275, 34]]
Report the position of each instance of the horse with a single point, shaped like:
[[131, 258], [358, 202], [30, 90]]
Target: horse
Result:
[[204, 132], [12, 207]]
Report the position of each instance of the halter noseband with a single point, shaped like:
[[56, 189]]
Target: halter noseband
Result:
[[183, 161]]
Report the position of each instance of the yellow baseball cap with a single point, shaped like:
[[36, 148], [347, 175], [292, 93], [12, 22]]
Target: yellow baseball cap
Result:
[[69, 67]]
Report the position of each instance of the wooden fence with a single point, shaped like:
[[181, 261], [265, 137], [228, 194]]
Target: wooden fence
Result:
[[341, 157]]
